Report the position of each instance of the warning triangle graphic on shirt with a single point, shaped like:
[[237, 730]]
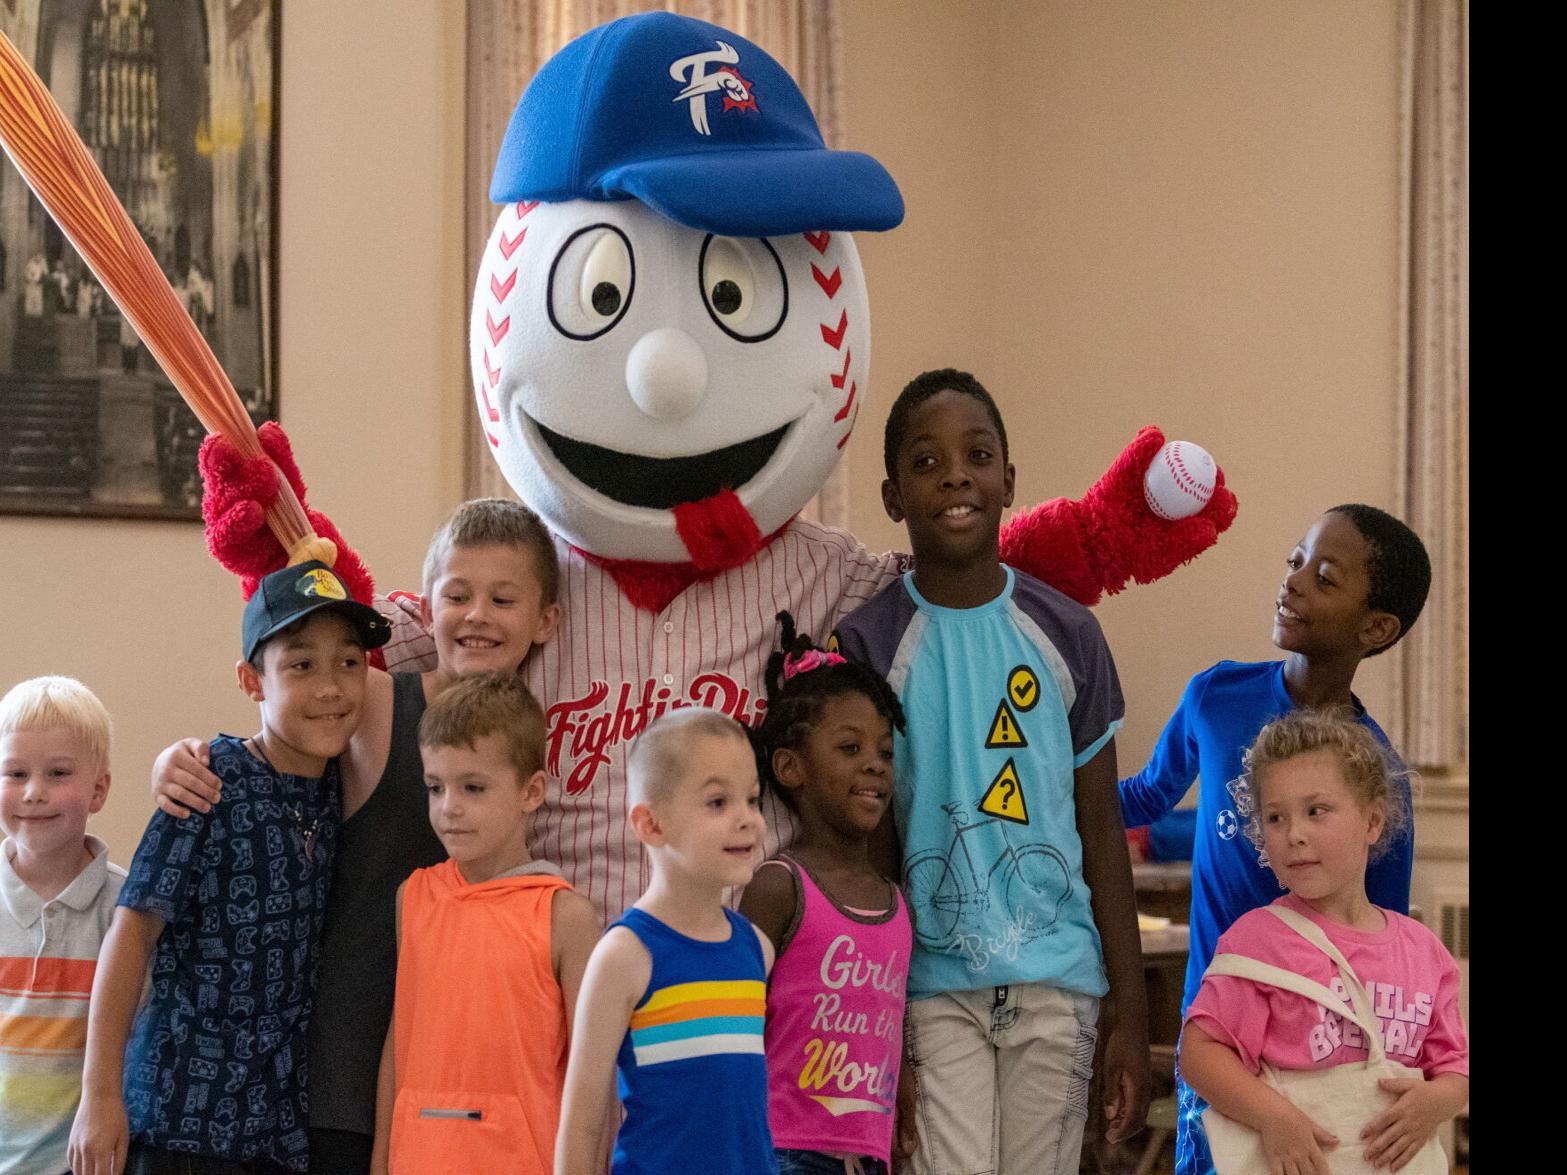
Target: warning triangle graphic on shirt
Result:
[[1004, 796], [1004, 730]]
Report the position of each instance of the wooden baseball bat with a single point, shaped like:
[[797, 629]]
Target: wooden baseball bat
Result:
[[58, 167]]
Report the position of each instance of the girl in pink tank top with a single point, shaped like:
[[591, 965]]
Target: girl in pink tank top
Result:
[[834, 1035]]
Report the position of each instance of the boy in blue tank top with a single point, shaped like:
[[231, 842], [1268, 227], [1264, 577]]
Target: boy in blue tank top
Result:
[[674, 997], [1012, 851]]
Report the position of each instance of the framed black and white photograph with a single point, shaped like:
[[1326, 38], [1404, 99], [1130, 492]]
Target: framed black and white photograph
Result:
[[177, 100]]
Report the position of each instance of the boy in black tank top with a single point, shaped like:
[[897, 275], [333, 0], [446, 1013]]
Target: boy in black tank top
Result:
[[490, 582]]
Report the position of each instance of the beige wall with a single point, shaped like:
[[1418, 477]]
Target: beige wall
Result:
[[374, 301], [1119, 213], [1123, 213]]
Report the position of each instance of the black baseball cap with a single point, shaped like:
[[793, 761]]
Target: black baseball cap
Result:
[[294, 593]]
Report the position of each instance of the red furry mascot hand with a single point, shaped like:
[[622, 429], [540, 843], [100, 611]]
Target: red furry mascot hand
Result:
[[237, 491], [1109, 536]]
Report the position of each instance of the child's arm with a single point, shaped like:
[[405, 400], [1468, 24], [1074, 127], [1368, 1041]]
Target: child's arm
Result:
[[1108, 871], [1171, 769], [905, 1131], [1418, 1108], [386, 1075], [100, 1135], [574, 932], [1291, 1141], [770, 902], [616, 977]]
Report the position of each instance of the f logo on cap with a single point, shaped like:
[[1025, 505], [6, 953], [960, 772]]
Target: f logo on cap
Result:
[[692, 70]]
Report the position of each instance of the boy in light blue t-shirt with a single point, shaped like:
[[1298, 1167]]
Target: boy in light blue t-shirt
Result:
[[1013, 853]]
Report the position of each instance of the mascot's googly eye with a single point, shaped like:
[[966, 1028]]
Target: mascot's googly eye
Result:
[[743, 287], [591, 282]]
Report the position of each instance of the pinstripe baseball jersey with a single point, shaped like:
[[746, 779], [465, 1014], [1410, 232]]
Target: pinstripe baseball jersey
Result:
[[612, 668]]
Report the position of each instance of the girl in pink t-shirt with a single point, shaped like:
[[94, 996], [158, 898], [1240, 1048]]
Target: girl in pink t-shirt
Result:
[[834, 1035], [1318, 804]]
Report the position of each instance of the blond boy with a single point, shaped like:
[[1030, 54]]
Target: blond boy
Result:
[[57, 894]]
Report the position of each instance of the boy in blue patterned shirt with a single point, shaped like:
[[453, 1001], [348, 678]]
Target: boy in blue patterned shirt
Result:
[[227, 906], [1012, 851]]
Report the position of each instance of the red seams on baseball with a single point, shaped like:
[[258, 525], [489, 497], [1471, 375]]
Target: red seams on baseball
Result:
[[1179, 481]]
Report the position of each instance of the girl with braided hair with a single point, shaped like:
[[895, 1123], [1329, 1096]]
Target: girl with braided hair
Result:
[[834, 1035]]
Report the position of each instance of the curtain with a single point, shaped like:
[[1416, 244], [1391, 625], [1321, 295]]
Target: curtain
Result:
[[1432, 671], [509, 39]]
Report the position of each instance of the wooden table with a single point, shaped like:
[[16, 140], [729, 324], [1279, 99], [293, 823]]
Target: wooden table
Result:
[[1164, 973], [1164, 888]]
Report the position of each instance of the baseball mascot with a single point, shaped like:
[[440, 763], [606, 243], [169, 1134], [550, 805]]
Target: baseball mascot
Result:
[[670, 346]]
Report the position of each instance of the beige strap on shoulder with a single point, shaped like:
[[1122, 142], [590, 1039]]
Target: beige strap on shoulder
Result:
[[1358, 1011], [1359, 997], [1257, 971]]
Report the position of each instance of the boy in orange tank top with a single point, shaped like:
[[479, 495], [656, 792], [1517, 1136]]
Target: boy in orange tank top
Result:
[[491, 950]]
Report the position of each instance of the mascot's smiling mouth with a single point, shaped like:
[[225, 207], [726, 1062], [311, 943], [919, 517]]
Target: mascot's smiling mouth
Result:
[[662, 483]]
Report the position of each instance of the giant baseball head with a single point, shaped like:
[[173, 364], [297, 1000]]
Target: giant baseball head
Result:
[[670, 337]]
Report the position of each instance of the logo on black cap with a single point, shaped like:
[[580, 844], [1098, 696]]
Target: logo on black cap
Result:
[[321, 582], [292, 593]]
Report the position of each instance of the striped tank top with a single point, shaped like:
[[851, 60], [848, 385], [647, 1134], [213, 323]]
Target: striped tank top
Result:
[[693, 1075]]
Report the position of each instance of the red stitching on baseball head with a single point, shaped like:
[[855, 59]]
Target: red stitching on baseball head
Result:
[[508, 245], [848, 403], [499, 289], [834, 338], [828, 282], [843, 376]]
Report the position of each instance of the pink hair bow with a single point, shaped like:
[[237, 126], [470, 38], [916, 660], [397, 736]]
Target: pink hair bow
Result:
[[810, 659]]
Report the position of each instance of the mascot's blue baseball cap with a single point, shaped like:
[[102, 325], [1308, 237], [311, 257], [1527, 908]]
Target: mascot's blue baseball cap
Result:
[[697, 123]]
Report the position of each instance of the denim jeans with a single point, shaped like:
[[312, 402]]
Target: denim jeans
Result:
[[1191, 1144], [1003, 1075], [792, 1162]]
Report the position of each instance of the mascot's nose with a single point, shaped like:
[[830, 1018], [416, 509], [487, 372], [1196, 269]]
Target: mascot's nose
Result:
[[666, 373]]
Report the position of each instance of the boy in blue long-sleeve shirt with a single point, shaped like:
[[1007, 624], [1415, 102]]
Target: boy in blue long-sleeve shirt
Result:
[[1355, 585]]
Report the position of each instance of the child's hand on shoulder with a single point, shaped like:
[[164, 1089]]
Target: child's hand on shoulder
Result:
[[1294, 1144], [1394, 1136], [181, 782], [100, 1136]]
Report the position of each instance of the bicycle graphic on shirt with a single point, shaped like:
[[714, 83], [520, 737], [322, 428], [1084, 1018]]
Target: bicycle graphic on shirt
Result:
[[944, 886]]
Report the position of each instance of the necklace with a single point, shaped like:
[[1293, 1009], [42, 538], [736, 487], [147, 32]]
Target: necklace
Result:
[[297, 811]]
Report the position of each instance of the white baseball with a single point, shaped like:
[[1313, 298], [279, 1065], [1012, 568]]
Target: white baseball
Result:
[[1179, 480]]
